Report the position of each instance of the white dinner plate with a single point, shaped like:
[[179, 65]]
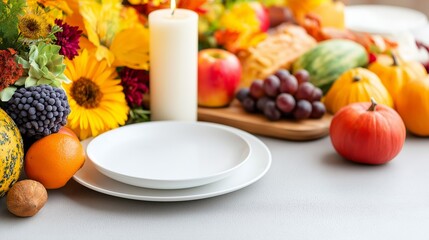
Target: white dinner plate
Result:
[[168, 154], [252, 170], [383, 19]]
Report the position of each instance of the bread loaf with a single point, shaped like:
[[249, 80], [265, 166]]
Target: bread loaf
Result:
[[280, 49]]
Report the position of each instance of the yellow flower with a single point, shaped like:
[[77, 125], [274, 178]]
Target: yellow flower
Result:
[[32, 26], [242, 28], [101, 22], [112, 35], [43, 13], [54, 9], [153, 2], [61, 5], [129, 18], [240, 18], [130, 48], [95, 95]]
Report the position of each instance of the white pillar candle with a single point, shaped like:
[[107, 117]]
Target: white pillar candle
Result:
[[173, 64]]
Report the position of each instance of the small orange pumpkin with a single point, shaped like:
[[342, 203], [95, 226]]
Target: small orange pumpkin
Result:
[[356, 85], [413, 106], [395, 73]]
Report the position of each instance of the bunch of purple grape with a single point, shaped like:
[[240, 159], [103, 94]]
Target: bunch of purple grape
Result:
[[283, 95]]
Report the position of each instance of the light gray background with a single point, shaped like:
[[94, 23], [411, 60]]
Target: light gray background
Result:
[[309, 193]]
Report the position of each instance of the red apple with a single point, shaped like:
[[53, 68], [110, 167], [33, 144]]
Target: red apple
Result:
[[219, 74], [262, 14]]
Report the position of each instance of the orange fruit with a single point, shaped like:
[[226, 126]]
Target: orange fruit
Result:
[[54, 159], [66, 130]]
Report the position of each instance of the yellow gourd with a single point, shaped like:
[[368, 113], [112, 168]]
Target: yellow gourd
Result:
[[356, 85], [11, 152], [413, 106], [395, 73]]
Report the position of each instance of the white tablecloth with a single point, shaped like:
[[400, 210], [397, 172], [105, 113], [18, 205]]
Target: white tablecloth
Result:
[[309, 193]]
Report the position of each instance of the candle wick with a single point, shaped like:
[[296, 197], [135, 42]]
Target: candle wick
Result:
[[172, 6]]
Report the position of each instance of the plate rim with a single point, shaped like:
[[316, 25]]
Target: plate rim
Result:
[[200, 193]]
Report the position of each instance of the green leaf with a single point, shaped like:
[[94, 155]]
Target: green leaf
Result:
[[30, 82], [44, 82], [45, 65], [42, 60], [137, 115], [9, 13], [64, 78], [7, 93], [21, 81], [25, 64], [35, 72], [54, 48], [56, 83]]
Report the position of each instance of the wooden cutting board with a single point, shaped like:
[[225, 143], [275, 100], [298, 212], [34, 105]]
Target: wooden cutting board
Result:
[[235, 116]]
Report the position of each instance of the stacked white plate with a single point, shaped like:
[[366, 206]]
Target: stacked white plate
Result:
[[173, 161]]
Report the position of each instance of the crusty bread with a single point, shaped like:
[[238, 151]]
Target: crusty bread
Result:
[[280, 49]]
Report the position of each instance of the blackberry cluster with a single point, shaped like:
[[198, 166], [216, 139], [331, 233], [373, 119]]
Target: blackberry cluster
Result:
[[39, 110]]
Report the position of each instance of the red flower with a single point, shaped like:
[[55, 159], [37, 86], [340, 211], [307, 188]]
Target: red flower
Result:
[[68, 39], [195, 5], [136, 84], [9, 69]]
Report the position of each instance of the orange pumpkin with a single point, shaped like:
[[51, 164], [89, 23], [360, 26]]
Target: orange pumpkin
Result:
[[413, 106], [367, 133], [356, 85], [395, 73]]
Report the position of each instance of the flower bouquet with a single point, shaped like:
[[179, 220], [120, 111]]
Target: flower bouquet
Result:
[[97, 53]]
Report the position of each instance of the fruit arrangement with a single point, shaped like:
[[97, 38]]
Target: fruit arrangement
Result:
[[283, 95]]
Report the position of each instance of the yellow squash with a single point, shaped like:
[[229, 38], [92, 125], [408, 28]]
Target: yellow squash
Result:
[[356, 85], [413, 106], [394, 73], [11, 152]]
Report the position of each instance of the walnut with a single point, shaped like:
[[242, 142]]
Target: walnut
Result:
[[25, 198]]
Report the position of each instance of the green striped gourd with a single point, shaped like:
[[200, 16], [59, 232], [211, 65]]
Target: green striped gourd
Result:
[[329, 59], [11, 152]]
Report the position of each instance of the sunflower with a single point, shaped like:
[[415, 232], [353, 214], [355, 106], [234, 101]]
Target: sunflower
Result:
[[33, 26], [95, 95]]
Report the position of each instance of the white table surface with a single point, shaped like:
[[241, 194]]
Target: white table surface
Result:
[[309, 193]]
